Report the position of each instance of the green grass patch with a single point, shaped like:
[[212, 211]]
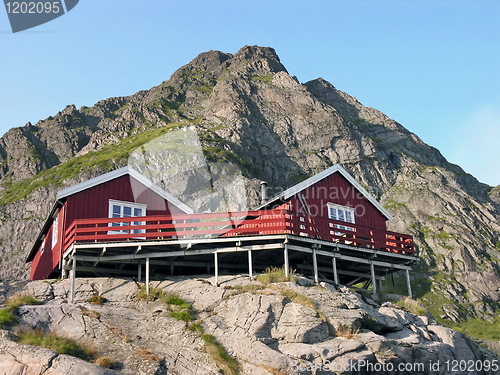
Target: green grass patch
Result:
[[392, 205], [262, 78], [411, 305], [297, 297], [58, 344], [205, 89], [181, 309], [8, 314], [195, 327], [480, 328], [97, 300], [183, 315], [276, 275], [226, 363], [173, 299]]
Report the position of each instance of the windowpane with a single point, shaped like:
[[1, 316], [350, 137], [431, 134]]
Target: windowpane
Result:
[[127, 211], [138, 212], [348, 216], [341, 215], [116, 210]]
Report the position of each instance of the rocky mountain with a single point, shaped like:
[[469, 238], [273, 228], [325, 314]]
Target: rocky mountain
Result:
[[260, 329], [249, 110]]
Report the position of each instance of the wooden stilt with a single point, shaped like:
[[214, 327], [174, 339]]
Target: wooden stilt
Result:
[[73, 277], [250, 268], [374, 280], [315, 266], [216, 261], [408, 284], [287, 263], [335, 274], [147, 276]]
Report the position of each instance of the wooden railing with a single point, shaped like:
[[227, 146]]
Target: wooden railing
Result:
[[233, 224]]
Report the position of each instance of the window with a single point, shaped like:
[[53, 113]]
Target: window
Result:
[[118, 209], [55, 230], [341, 213]]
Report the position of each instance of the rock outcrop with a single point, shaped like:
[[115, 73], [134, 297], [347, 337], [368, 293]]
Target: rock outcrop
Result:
[[278, 328]]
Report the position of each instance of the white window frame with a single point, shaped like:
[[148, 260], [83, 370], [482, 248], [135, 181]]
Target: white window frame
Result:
[[123, 204], [344, 209], [55, 230]]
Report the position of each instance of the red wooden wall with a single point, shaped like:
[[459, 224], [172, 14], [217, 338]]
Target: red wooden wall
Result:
[[47, 260]]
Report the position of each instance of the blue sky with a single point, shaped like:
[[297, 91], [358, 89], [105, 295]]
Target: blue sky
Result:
[[431, 65]]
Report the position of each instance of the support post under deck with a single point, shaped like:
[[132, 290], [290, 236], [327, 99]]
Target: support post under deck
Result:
[[408, 284], [73, 277], [287, 263], [147, 276], [139, 272], [250, 268], [216, 261], [335, 274], [374, 280], [315, 265]]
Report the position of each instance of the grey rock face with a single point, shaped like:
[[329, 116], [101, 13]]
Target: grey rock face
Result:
[[264, 330]]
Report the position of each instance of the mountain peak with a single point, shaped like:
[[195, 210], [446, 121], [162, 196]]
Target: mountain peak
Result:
[[256, 59]]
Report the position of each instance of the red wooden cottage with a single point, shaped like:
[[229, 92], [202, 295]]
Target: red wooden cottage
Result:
[[121, 193], [328, 225]]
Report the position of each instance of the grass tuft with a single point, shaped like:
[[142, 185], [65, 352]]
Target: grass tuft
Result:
[[412, 306], [347, 332], [181, 308], [106, 362], [225, 362], [195, 327], [97, 300], [276, 275], [58, 344], [8, 314], [183, 315]]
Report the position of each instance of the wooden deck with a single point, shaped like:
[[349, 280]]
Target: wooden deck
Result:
[[236, 242]]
